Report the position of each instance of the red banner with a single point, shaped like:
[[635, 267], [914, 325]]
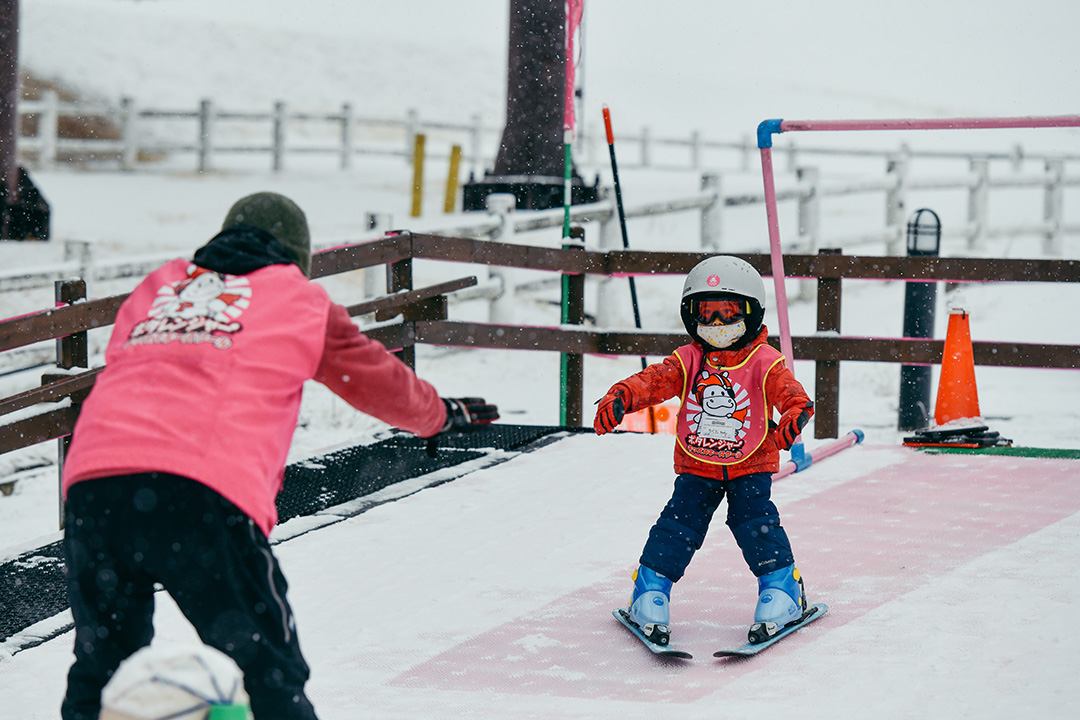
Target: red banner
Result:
[[574, 9]]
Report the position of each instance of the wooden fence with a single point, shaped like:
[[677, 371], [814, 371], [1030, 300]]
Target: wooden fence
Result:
[[284, 130], [209, 132], [49, 412], [808, 187]]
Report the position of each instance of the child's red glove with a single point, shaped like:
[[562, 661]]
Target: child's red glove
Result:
[[792, 423], [612, 408]]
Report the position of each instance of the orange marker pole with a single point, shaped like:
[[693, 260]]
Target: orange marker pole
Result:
[[625, 240]]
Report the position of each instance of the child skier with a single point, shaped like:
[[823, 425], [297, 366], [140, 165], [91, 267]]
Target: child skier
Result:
[[729, 380]]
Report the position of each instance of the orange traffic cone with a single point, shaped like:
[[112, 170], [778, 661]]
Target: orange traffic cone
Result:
[[957, 396]]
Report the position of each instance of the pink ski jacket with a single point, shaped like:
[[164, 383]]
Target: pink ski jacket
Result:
[[204, 374]]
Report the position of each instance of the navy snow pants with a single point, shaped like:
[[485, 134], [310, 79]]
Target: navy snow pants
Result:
[[752, 518], [124, 534]]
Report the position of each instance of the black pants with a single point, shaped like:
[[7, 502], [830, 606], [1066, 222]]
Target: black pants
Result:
[[125, 533], [752, 518]]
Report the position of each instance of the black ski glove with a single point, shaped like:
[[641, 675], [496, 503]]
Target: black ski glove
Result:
[[460, 414]]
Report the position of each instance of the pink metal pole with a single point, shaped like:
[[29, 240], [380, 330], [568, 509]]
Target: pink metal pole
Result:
[[1043, 121], [777, 259], [776, 256], [851, 439]]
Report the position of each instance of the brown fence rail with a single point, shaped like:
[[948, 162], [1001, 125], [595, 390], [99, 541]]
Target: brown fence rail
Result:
[[424, 318]]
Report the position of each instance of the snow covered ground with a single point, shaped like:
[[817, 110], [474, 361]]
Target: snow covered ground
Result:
[[913, 627], [490, 597]]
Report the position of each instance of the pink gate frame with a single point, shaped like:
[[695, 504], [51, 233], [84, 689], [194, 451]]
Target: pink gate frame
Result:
[[768, 128]]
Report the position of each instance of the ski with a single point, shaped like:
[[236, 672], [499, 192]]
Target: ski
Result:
[[662, 650], [813, 614]]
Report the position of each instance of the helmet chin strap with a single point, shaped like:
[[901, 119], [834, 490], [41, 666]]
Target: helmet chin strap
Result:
[[721, 336]]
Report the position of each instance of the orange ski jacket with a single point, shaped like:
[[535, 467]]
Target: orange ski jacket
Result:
[[667, 379]]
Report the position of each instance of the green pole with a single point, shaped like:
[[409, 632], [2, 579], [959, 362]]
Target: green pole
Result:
[[564, 358]]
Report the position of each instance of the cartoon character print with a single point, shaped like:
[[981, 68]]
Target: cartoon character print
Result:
[[201, 308], [719, 412]]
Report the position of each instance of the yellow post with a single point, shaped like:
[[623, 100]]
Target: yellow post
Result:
[[452, 179], [418, 175]]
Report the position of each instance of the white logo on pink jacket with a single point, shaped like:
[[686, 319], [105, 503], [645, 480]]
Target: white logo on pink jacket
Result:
[[201, 308]]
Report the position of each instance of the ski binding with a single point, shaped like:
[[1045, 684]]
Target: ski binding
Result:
[[657, 649], [811, 615]]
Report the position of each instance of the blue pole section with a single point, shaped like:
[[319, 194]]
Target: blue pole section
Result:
[[800, 457], [765, 132]]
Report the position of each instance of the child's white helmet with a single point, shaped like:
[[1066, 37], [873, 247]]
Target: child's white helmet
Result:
[[725, 274], [724, 277]]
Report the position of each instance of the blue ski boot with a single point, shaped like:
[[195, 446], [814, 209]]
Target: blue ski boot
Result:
[[781, 602], [649, 605]]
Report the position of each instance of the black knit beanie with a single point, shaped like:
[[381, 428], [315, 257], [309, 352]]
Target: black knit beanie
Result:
[[279, 216]]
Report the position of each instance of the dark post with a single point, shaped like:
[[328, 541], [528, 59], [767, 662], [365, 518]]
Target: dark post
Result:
[[9, 94], [827, 372], [572, 367], [399, 276], [532, 141], [24, 214], [920, 299], [71, 352], [531, 154]]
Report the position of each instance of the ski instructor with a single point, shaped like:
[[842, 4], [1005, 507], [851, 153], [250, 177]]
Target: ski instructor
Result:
[[179, 451]]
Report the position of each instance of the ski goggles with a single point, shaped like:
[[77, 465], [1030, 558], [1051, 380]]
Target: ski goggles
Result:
[[728, 312]]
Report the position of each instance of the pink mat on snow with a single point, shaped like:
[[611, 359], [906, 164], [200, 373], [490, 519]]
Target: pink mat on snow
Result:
[[859, 545]]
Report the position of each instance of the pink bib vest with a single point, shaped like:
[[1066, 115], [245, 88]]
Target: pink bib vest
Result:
[[724, 416]]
